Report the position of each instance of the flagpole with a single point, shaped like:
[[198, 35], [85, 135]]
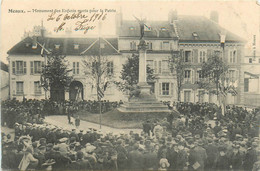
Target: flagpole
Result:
[[100, 106]]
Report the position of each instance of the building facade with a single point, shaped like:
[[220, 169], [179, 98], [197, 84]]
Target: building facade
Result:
[[197, 38], [4, 81]]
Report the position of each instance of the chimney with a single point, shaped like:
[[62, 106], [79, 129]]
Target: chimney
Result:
[[214, 16], [119, 21], [172, 16]]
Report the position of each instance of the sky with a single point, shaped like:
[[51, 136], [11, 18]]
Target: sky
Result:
[[239, 17]]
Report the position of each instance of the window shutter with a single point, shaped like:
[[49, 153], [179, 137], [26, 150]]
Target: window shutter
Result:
[[31, 67], [161, 45], [77, 67], [237, 75], [160, 66], [155, 67], [171, 89], [160, 88], [192, 56], [74, 68], [24, 67], [42, 66], [192, 76], [13, 65]]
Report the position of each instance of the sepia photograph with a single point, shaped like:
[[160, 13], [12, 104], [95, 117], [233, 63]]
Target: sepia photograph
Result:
[[130, 85]]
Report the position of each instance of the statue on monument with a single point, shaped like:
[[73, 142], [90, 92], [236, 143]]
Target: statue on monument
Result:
[[142, 24]]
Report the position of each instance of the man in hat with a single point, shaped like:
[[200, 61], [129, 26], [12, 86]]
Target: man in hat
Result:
[[135, 159], [121, 155], [236, 158], [250, 157], [222, 162], [212, 153], [40, 156], [49, 154], [63, 147], [198, 156], [51, 137], [82, 163]]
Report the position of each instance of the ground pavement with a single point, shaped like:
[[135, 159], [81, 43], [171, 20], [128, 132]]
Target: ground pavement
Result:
[[62, 121]]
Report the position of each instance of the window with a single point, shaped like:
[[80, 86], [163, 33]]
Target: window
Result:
[[36, 67], [250, 60], [187, 76], [19, 67], [19, 88], [201, 96], [131, 28], [75, 68], [110, 67], [232, 56], [57, 46], [149, 63], [199, 75], [165, 88], [187, 56], [133, 45], [149, 45], [165, 45], [165, 67], [202, 56], [187, 96], [232, 75], [37, 87], [259, 60]]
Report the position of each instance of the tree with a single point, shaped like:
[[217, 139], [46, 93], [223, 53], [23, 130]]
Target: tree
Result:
[[130, 74], [100, 70], [55, 75], [216, 79], [176, 63]]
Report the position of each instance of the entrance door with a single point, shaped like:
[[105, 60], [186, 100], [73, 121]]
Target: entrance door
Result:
[[76, 91]]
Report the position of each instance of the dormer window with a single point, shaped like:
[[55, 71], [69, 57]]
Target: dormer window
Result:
[[131, 28], [27, 44], [163, 29], [195, 35], [57, 46], [76, 46]]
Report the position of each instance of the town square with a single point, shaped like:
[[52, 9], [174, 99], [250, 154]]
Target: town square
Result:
[[126, 89]]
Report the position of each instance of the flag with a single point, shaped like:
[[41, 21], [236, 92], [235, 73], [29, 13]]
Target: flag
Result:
[[105, 86], [100, 93], [42, 51]]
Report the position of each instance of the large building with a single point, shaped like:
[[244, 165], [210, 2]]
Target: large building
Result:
[[4, 81], [195, 37]]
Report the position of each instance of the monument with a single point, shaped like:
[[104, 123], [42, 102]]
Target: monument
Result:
[[145, 102]]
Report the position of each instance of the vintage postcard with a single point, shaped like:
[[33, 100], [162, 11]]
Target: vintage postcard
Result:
[[130, 85]]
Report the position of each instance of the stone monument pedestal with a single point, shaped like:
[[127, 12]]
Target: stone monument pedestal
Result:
[[145, 102]]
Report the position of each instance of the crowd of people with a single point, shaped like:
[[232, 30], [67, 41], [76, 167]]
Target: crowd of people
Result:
[[34, 111], [189, 141]]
